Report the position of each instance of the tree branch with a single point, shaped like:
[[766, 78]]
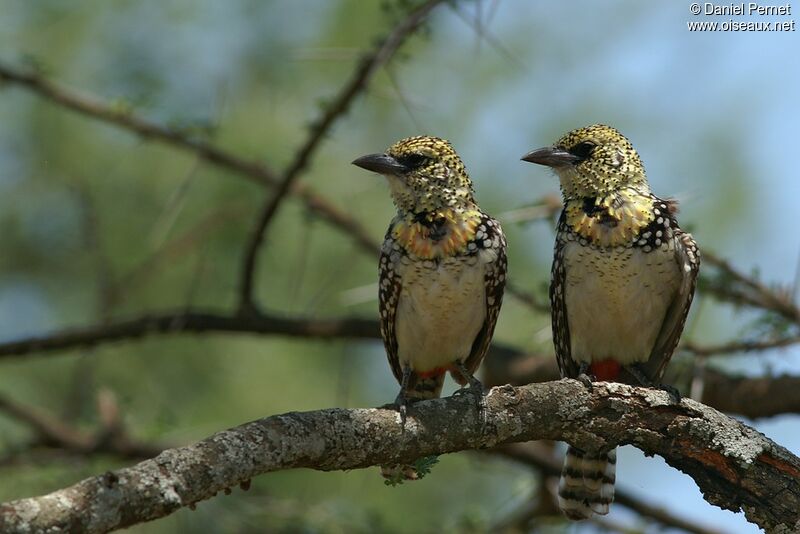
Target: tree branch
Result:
[[357, 84], [736, 467], [192, 321], [755, 396], [127, 120], [51, 432], [743, 289], [751, 397], [739, 346]]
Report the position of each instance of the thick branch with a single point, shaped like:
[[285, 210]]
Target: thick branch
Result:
[[736, 467], [357, 84]]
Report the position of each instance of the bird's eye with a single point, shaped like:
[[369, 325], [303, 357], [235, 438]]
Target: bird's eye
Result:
[[582, 150], [413, 161]]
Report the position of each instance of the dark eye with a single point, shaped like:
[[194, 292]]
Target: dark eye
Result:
[[413, 161], [582, 150]]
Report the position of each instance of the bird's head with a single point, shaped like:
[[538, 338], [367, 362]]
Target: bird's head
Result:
[[593, 161], [424, 174]]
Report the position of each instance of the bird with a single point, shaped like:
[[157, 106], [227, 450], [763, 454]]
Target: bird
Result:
[[622, 282], [442, 272]]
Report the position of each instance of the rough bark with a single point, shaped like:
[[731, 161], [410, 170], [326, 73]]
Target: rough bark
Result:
[[736, 467]]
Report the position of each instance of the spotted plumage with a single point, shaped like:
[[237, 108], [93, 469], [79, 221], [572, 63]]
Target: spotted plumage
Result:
[[623, 278], [442, 270]]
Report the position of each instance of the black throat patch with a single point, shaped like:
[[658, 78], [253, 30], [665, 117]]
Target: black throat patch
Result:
[[434, 222], [600, 213]]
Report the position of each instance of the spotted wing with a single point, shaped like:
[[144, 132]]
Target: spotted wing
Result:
[[490, 242], [558, 306], [389, 285], [688, 259]]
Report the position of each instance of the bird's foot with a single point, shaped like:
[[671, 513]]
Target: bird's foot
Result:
[[401, 402], [475, 388], [402, 399], [672, 391], [639, 374], [584, 377]]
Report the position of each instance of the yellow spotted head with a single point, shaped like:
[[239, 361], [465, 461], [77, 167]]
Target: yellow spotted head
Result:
[[593, 161], [424, 174]]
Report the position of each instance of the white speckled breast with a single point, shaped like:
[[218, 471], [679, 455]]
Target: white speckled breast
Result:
[[441, 309], [630, 290]]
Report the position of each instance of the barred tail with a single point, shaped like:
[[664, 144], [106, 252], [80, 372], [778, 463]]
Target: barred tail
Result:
[[587, 483], [420, 388]]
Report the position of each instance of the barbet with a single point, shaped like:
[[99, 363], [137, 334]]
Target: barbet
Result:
[[442, 271], [623, 279]]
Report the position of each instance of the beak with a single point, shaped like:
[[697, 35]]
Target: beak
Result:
[[380, 163], [551, 156]]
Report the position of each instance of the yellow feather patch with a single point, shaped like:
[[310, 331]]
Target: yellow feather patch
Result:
[[624, 214], [454, 231]]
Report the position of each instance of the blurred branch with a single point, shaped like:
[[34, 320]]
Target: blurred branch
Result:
[[53, 433], [173, 250], [545, 208], [756, 397], [357, 84], [126, 119], [528, 298], [258, 172], [736, 467], [739, 346], [191, 321], [532, 455], [736, 287], [752, 397]]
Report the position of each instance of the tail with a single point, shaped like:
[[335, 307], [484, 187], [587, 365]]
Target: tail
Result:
[[587, 483], [419, 388]]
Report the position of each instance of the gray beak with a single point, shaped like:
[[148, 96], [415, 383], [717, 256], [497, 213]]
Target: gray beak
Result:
[[380, 163], [551, 156]]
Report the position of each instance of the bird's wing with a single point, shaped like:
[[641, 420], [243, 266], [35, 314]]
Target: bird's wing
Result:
[[688, 258], [494, 284], [558, 305], [388, 296]]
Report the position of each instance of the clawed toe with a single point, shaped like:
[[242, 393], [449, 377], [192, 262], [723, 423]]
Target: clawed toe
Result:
[[672, 391]]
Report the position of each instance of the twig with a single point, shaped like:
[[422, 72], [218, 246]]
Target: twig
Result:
[[356, 85], [735, 467]]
